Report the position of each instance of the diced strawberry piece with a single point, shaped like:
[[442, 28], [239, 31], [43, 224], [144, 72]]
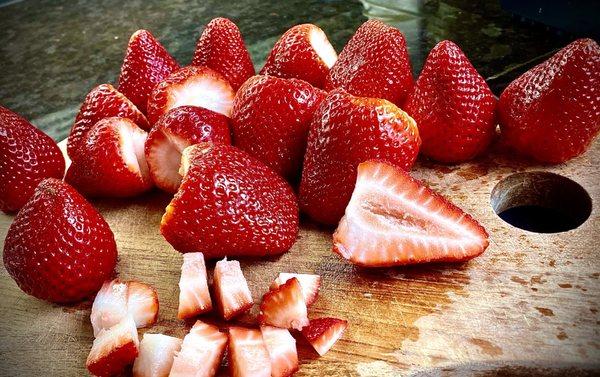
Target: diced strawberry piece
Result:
[[284, 306], [322, 333], [231, 289], [248, 355], [142, 303], [282, 351], [194, 297], [156, 355], [201, 352], [310, 284], [392, 219]]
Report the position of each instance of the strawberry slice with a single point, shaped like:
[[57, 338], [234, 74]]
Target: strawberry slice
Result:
[[310, 284], [221, 47], [176, 130], [284, 306], [146, 63], [248, 355], [231, 289], [114, 349], [303, 52], [196, 86], [156, 355], [112, 161], [194, 297], [322, 333], [201, 352], [392, 219], [282, 351]]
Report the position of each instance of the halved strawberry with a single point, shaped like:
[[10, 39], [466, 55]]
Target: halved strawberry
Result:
[[248, 355], [392, 219], [156, 355], [221, 47], [196, 86], [112, 162], [103, 101], [201, 352], [310, 284], [284, 306], [322, 333], [303, 52], [114, 349], [194, 297], [176, 130], [231, 289], [282, 351]]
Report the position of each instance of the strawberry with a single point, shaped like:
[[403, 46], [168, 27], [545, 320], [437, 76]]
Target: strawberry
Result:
[[177, 129], [231, 289], [230, 204], [103, 101], [111, 161], [281, 346], [284, 306], [552, 111], [303, 52], [374, 63], [221, 47], [146, 63], [322, 333], [248, 355], [114, 349], [156, 355], [142, 303], [309, 283], [392, 219], [270, 120], [201, 352], [452, 105], [346, 131], [196, 86], [194, 297], [27, 155], [63, 260]]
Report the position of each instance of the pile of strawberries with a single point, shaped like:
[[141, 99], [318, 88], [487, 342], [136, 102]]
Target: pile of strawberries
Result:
[[243, 154]]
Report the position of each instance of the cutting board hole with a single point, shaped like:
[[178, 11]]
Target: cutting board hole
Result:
[[541, 202]]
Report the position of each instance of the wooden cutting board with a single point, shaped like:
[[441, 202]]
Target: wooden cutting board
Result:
[[528, 305]]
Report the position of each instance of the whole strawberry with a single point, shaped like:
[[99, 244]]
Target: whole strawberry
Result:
[[230, 204], [452, 105], [552, 111], [270, 120], [27, 155], [346, 131], [59, 248]]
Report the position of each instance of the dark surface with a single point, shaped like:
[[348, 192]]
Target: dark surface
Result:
[[539, 219], [52, 52]]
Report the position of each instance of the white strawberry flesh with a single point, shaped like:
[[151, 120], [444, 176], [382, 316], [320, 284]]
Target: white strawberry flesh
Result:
[[248, 355], [194, 297], [231, 289], [156, 355], [281, 346]]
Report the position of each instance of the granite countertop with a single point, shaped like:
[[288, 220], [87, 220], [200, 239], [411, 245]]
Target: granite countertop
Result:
[[52, 52]]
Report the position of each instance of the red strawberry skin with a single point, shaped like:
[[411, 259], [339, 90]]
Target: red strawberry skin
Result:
[[270, 120], [27, 155], [453, 106], [230, 204], [63, 260], [374, 63], [146, 63], [346, 131], [221, 47], [552, 112]]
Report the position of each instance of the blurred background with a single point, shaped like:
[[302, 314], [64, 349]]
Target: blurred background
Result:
[[52, 52]]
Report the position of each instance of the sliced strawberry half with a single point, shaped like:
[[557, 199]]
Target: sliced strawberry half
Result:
[[284, 306], [310, 284], [322, 333], [194, 297], [114, 349], [231, 289], [248, 355], [282, 351], [156, 355], [201, 352], [196, 86], [392, 219]]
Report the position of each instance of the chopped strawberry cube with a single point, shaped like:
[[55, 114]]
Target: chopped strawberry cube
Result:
[[231, 289], [194, 297], [322, 333], [282, 351], [156, 355], [201, 352], [114, 349], [284, 306], [248, 355], [310, 284]]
